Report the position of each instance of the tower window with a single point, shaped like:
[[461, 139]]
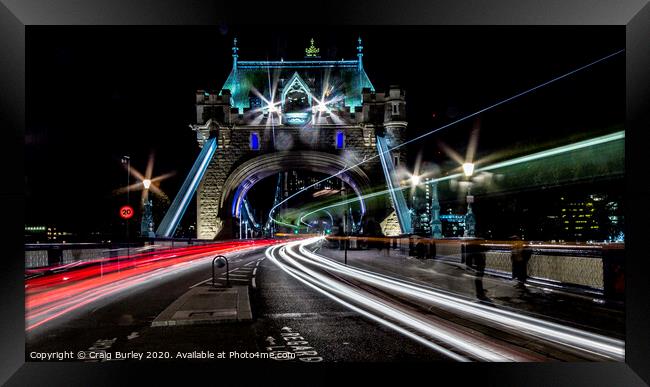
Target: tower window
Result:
[[395, 109], [340, 140], [255, 141]]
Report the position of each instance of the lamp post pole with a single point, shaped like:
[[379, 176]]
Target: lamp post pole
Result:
[[470, 220], [126, 160]]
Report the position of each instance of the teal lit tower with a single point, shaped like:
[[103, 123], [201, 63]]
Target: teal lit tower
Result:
[[436, 224], [146, 225], [470, 219]]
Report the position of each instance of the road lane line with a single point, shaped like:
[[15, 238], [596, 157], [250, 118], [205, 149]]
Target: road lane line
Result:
[[200, 283], [234, 279]]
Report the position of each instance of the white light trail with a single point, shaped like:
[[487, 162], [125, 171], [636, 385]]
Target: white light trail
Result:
[[502, 164], [561, 335]]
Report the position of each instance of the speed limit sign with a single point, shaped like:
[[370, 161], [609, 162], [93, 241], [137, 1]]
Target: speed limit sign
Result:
[[126, 212]]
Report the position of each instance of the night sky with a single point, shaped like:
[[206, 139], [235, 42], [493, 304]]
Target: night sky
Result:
[[97, 93]]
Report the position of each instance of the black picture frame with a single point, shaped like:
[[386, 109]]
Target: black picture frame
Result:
[[17, 15]]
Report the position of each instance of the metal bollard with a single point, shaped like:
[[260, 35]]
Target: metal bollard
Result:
[[221, 262]]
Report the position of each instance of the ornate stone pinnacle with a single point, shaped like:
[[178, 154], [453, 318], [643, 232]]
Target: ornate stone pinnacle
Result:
[[312, 51]]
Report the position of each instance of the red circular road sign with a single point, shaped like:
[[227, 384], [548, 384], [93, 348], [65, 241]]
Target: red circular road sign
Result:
[[126, 212]]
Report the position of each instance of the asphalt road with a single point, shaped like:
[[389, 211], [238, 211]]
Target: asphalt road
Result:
[[316, 309], [458, 327], [283, 309]]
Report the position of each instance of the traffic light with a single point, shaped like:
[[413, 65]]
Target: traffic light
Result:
[[328, 231], [295, 231]]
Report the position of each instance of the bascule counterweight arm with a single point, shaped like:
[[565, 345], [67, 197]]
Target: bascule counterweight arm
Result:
[[396, 195], [174, 214]]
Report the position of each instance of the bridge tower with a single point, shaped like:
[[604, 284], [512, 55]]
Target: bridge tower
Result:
[[316, 114]]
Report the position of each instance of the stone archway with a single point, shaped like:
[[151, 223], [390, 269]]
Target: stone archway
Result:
[[250, 172]]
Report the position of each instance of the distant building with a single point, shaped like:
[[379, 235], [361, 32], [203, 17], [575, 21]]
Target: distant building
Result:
[[453, 225], [44, 234], [35, 234], [595, 217]]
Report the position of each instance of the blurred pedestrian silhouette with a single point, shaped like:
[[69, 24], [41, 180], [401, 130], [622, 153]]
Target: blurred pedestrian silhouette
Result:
[[520, 256], [477, 261]]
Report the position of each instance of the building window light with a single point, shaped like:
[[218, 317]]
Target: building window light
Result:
[[340, 140], [255, 141]]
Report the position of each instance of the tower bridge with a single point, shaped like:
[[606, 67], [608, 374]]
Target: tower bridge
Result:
[[270, 116]]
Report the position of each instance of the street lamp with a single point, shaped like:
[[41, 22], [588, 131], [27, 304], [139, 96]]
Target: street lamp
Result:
[[415, 180], [468, 169], [146, 183]]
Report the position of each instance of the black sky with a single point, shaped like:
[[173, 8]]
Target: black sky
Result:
[[96, 93]]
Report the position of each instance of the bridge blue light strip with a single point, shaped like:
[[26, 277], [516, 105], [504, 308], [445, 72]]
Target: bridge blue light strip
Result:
[[250, 215], [172, 218], [521, 94], [352, 64], [396, 196]]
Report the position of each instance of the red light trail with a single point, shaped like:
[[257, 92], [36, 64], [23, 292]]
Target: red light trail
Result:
[[50, 296]]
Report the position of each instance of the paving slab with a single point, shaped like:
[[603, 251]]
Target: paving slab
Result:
[[207, 305]]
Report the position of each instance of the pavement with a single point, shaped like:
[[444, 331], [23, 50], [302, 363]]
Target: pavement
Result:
[[207, 305]]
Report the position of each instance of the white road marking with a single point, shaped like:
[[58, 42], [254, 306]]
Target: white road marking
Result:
[[210, 279], [133, 335], [254, 271], [253, 283], [201, 283]]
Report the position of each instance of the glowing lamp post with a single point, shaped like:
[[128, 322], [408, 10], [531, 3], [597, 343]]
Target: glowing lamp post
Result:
[[468, 169], [470, 219]]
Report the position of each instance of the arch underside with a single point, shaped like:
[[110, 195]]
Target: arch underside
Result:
[[244, 177]]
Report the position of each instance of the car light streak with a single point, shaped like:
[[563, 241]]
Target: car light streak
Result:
[[474, 346], [560, 334], [502, 164], [50, 297], [269, 254], [97, 267]]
